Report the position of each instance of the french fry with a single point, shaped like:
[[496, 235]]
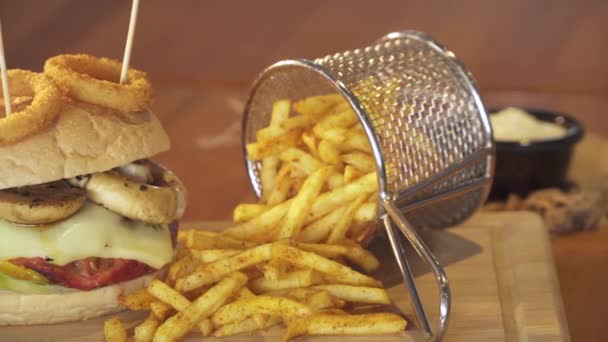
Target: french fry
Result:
[[280, 112], [210, 273], [302, 202], [182, 267], [331, 324], [353, 252], [270, 132], [320, 300], [273, 146], [319, 230], [356, 294], [198, 239], [295, 279], [335, 180], [239, 310], [114, 331], [247, 211], [210, 255], [356, 142], [302, 160], [360, 160], [263, 223], [316, 107], [247, 325], [351, 173], [296, 122], [137, 300], [313, 261], [144, 332], [160, 309], [366, 212], [168, 295], [329, 154], [339, 232], [283, 183], [244, 293], [335, 135], [273, 269], [205, 327], [177, 326], [344, 119], [331, 200], [311, 143], [268, 174]]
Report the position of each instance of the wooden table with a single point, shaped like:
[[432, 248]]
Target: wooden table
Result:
[[203, 55]]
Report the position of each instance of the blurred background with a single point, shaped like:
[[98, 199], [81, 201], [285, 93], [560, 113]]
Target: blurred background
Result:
[[203, 55]]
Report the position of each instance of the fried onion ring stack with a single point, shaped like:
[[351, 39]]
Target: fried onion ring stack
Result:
[[84, 215]]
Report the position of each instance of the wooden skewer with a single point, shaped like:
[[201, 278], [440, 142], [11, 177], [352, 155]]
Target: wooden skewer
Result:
[[5, 92], [128, 46]]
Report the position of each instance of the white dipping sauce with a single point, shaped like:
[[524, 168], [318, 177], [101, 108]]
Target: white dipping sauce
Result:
[[515, 125]]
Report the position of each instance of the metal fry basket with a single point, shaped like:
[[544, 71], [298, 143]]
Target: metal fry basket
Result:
[[428, 129]]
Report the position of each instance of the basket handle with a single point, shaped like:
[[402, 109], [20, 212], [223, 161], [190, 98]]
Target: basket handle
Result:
[[392, 218]]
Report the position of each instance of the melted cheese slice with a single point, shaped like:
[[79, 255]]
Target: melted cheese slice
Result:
[[92, 232]]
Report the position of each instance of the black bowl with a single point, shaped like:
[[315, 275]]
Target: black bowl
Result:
[[523, 167]]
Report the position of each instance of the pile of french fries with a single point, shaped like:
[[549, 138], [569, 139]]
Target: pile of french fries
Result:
[[296, 257]]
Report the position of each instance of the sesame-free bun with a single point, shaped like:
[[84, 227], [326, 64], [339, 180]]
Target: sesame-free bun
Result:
[[84, 139], [31, 309]]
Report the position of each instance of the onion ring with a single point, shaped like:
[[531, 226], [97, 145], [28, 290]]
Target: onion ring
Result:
[[152, 203], [39, 204], [45, 106], [95, 80]]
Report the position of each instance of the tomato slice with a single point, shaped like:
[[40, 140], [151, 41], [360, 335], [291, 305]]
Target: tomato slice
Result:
[[87, 274]]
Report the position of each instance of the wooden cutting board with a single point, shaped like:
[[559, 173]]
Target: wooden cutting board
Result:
[[499, 266]]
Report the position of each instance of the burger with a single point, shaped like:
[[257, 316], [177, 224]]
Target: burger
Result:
[[85, 216]]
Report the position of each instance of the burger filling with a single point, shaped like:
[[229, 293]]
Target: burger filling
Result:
[[94, 246]]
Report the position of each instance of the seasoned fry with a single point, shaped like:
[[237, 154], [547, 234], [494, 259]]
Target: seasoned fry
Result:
[[114, 330], [264, 223], [177, 326], [274, 269], [268, 173], [360, 160], [329, 154], [168, 295], [329, 201], [316, 107], [356, 294], [283, 183], [210, 255], [356, 142], [246, 325], [247, 211], [351, 173], [160, 309], [210, 273], [302, 202], [295, 279], [313, 261], [367, 212], [239, 310], [144, 332], [302, 160], [198, 239], [339, 232], [205, 327], [355, 253], [320, 229], [280, 112], [137, 301], [331, 324], [335, 180], [273, 146]]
